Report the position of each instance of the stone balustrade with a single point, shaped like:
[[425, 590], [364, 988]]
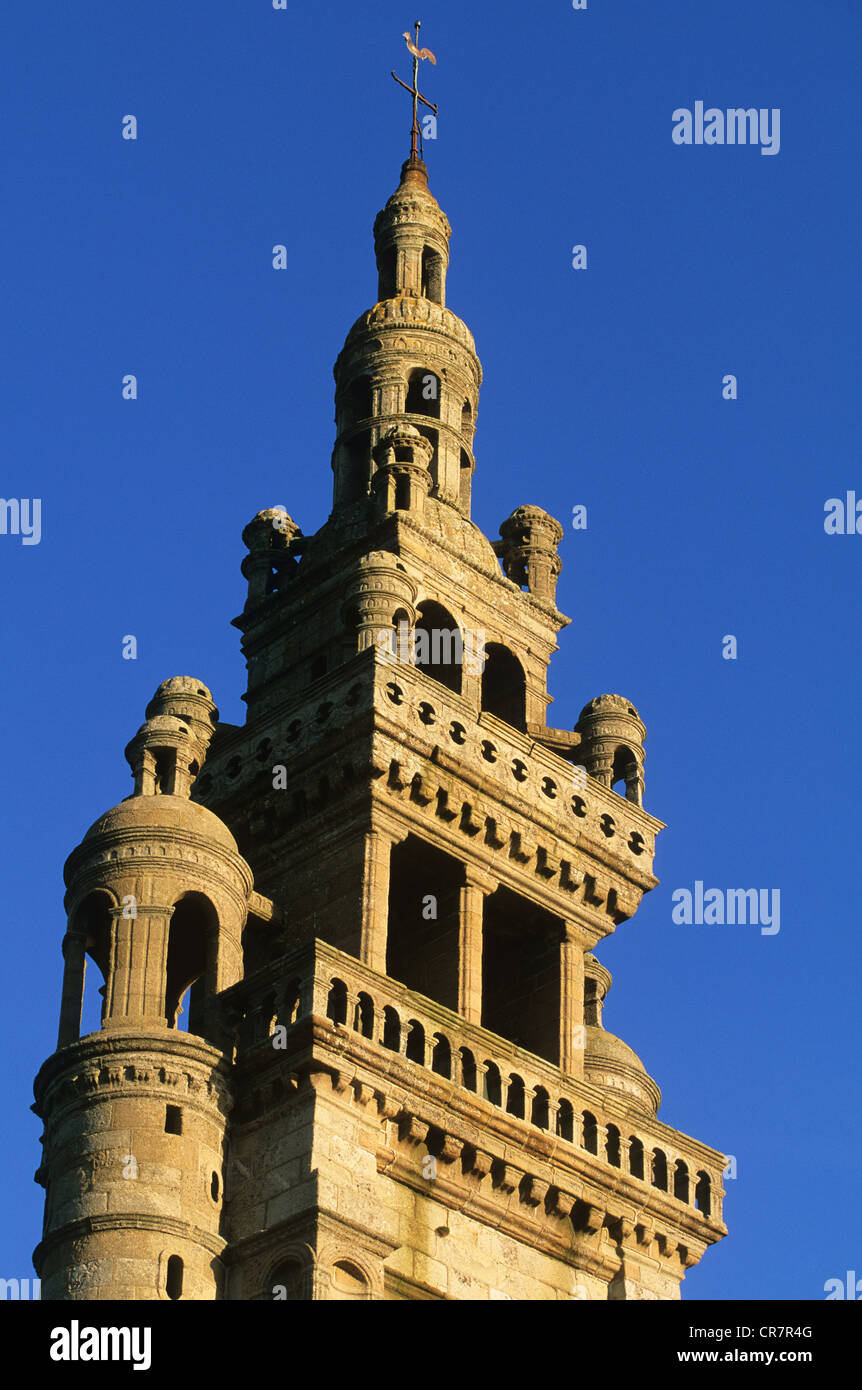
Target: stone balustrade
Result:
[[324, 982]]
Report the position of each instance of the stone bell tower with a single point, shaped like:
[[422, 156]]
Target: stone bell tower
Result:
[[394, 1082]]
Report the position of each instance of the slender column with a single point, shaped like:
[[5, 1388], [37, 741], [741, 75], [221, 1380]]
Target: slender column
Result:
[[137, 972], [375, 899], [470, 911], [72, 999], [572, 947]]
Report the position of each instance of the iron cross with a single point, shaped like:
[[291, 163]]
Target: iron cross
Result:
[[413, 45]]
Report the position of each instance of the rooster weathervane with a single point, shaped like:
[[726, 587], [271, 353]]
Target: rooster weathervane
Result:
[[418, 54]]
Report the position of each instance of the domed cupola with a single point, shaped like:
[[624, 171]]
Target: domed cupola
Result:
[[608, 1061], [409, 360], [157, 890]]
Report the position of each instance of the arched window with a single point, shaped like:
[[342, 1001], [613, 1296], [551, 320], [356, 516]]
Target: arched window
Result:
[[174, 1280], [467, 421], [415, 1049], [540, 1114], [391, 1029], [423, 393], [492, 1086], [624, 777], [680, 1181], [285, 1284], [438, 647], [336, 1003], [591, 1133], [612, 1146], [703, 1194], [192, 939], [504, 686], [387, 285], [468, 1069], [358, 402], [364, 1016], [441, 1058], [566, 1120], [515, 1099], [659, 1170], [464, 481], [636, 1157], [83, 1002], [348, 1282], [432, 275]]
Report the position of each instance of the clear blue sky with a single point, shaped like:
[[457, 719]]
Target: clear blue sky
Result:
[[602, 387]]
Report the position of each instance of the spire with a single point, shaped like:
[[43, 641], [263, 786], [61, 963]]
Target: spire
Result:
[[418, 55]]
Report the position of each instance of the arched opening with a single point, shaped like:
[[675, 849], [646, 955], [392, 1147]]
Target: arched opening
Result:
[[387, 281], [612, 1146], [432, 275], [659, 1170], [521, 973], [636, 1158], [348, 1282], [336, 1003], [415, 1049], [83, 1003], [356, 480], [441, 1057], [492, 1084], [422, 934], [680, 1181], [703, 1194], [423, 393], [174, 1281], [468, 1069], [286, 1283], [192, 939], [358, 402], [624, 776], [464, 478], [591, 1133], [566, 1120], [363, 1020], [467, 421], [504, 686], [515, 1097], [391, 1029], [438, 646], [540, 1114]]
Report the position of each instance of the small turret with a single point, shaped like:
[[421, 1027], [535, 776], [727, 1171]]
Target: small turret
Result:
[[611, 747], [528, 550]]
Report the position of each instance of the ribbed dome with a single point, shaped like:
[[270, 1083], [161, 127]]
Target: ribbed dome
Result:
[[608, 1061], [142, 813], [454, 529]]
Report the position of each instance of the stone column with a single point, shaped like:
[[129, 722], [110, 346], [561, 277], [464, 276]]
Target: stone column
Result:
[[572, 947], [470, 910], [72, 999], [137, 973], [375, 899]]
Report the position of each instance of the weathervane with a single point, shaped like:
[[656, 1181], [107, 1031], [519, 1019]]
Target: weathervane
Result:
[[413, 45]]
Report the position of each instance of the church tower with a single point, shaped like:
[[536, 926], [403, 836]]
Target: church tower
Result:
[[379, 899]]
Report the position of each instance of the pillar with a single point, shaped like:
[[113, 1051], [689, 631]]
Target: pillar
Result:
[[470, 911], [72, 1000], [572, 1035], [375, 899]]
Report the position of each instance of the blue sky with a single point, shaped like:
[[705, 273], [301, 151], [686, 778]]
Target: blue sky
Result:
[[603, 387]]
